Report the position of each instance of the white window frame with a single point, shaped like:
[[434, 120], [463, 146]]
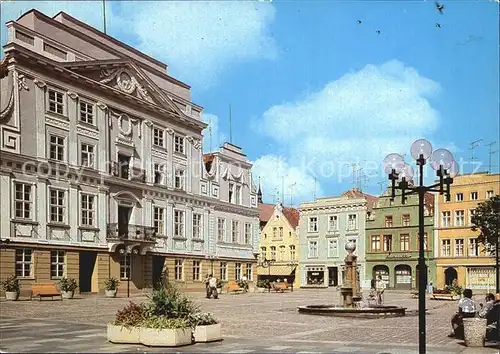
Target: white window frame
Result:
[[91, 155], [293, 252], [125, 260], [179, 144], [26, 205], [20, 269], [459, 197], [196, 270], [446, 218], [230, 189], [237, 194], [92, 212], [490, 194], [459, 247], [179, 269], [180, 179], [235, 231], [351, 227], [64, 207], [446, 250], [282, 253], [248, 271], [376, 240], [312, 225], [158, 137], [237, 271], [312, 252], [471, 213], [248, 233], [223, 271], [160, 169], [273, 253], [476, 194], [459, 218], [57, 267], [221, 231], [475, 250], [333, 247], [57, 147], [84, 114], [62, 104], [263, 252], [159, 220], [407, 245], [333, 223], [179, 225], [197, 226]]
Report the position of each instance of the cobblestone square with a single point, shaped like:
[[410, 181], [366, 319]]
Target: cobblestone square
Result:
[[251, 322]]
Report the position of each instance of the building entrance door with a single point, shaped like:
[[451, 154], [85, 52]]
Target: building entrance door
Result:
[[158, 265], [123, 220], [333, 276], [87, 265]]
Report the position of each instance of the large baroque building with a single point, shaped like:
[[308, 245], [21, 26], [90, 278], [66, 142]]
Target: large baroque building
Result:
[[459, 255], [101, 168], [392, 240], [325, 226]]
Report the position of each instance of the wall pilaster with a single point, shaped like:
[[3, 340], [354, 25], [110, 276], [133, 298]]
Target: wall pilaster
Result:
[[102, 126], [40, 118], [42, 203], [73, 147], [102, 214], [73, 209], [5, 207]]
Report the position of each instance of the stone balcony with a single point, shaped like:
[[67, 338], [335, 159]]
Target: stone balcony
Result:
[[134, 233]]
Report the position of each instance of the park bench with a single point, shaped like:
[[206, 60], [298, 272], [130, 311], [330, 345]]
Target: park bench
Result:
[[233, 287], [44, 290], [444, 296], [281, 287]]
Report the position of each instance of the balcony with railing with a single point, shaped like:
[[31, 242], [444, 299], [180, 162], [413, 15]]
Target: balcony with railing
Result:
[[136, 233]]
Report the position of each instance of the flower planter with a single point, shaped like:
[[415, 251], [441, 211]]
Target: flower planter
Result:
[[110, 293], [12, 295], [474, 331], [67, 294], [120, 334], [261, 290], [165, 337], [209, 333]]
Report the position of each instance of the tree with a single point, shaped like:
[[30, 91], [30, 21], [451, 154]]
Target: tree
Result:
[[486, 219]]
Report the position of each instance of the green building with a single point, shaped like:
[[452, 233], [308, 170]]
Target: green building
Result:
[[392, 241]]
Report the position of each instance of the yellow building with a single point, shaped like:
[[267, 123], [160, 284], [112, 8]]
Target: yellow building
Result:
[[459, 255], [279, 242]]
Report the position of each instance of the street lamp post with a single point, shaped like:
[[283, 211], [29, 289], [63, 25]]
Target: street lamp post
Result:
[[265, 263], [446, 168], [127, 252]]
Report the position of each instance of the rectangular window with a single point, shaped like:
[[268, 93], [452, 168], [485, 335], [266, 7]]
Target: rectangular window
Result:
[[248, 233], [313, 249], [178, 223], [159, 220], [490, 194], [473, 195], [237, 195], [223, 271], [237, 271], [23, 201], [273, 253], [404, 242], [235, 231], [86, 112], [471, 214], [459, 197], [473, 247], [23, 262], [248, 272], [231, 193], [332, 223], [56, 148], [281, 232], [125, 267], [56, 101], [446, 219], [179, 144], [158, 137], [179, 179], [178, 269], [388, 221], [333, 248], [87, 155], [57, 205], [446, 248], [459, 218], [196, 270], [263, 253], [292, 253], [88, 209], [459, 247], [221, 229], [406, 220], [387, 243], [352, 222], [376, 243], [158, 173], [313, 224], [197, 226], [282, 254], [275, 232], [57, 264]]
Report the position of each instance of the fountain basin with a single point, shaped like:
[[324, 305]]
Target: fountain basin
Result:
[[367, 312]]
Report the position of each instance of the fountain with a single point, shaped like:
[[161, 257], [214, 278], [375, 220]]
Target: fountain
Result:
[[352, 296]]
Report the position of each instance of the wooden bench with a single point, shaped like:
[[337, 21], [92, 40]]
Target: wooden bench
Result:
[[233, 287], [451, 297], [44, 290], [280, 287]]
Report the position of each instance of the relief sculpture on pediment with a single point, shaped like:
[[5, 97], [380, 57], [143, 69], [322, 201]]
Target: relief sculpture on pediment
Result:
[[125, 82]]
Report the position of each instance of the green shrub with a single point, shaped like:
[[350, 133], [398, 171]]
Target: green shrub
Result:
[[11, 284], [162, 322], [169, 302], [263, 284], [131, 315], [111, 283], [68, 284]]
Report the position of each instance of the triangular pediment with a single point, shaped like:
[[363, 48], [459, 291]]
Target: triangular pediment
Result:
[[124, 76]]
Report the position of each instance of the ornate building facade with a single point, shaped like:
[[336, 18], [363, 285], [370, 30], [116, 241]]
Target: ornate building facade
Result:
[[101, 169]]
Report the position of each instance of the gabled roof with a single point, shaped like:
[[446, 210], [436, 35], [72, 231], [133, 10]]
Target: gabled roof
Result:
[[371, 200], [266, 211], [162, 99]]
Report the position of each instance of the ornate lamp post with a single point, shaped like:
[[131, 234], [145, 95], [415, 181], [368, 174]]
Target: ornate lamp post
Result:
[[401, 173], [127, 252], [265, 263]]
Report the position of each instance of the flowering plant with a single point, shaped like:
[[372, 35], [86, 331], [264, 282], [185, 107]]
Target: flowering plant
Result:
[[202, 319]]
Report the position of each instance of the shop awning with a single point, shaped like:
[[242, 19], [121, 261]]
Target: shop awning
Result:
[[281, 270]]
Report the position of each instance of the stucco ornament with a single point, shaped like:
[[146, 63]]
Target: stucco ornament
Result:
[[125, 82], [7, 98], [21, 82]]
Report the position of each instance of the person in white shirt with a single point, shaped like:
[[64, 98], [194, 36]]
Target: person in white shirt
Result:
[[380, 288], [212, 287]]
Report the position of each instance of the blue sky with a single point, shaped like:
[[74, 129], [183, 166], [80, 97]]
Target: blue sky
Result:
[[311, 89]]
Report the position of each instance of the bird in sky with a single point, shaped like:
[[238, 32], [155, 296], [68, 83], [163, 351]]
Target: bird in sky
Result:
[[359, 22], [439, 7], [378, 31], [438, 25]]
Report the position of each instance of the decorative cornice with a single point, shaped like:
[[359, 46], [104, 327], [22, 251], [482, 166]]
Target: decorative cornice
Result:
[[39, 83], [87, 132], [170, 131], [159, 153], [102, 106], [57, 123], [72, 95]]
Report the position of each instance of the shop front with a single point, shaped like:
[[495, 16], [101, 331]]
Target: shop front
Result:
[[315, 276]]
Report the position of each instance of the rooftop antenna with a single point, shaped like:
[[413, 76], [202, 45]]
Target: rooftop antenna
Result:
[[314, 193], [490, 153], [291, 193], [282, 189], [230, 126], [210, 132], [104, 15], [381, 184], [363, 181], [474, 145]]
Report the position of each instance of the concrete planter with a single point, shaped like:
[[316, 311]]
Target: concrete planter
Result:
[[261, 290], [12, 295], [110, 293], [209, 333], [165, 337], [120, 334], [474, 331], [67, 294]]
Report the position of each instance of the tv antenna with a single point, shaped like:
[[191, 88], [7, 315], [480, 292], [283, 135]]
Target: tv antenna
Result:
[[382, 184], [314, 192], [472, 146], [291, 193], [490, 154]]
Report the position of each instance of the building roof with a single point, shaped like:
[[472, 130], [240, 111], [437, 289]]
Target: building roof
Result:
[[371, 200], [266, 211]]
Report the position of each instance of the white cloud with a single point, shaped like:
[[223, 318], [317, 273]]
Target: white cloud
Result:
[[360, 117], [213, 138], [278, 177], [198, 40]]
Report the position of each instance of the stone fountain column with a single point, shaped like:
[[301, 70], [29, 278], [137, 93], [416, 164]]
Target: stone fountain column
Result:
[[350, 289]]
